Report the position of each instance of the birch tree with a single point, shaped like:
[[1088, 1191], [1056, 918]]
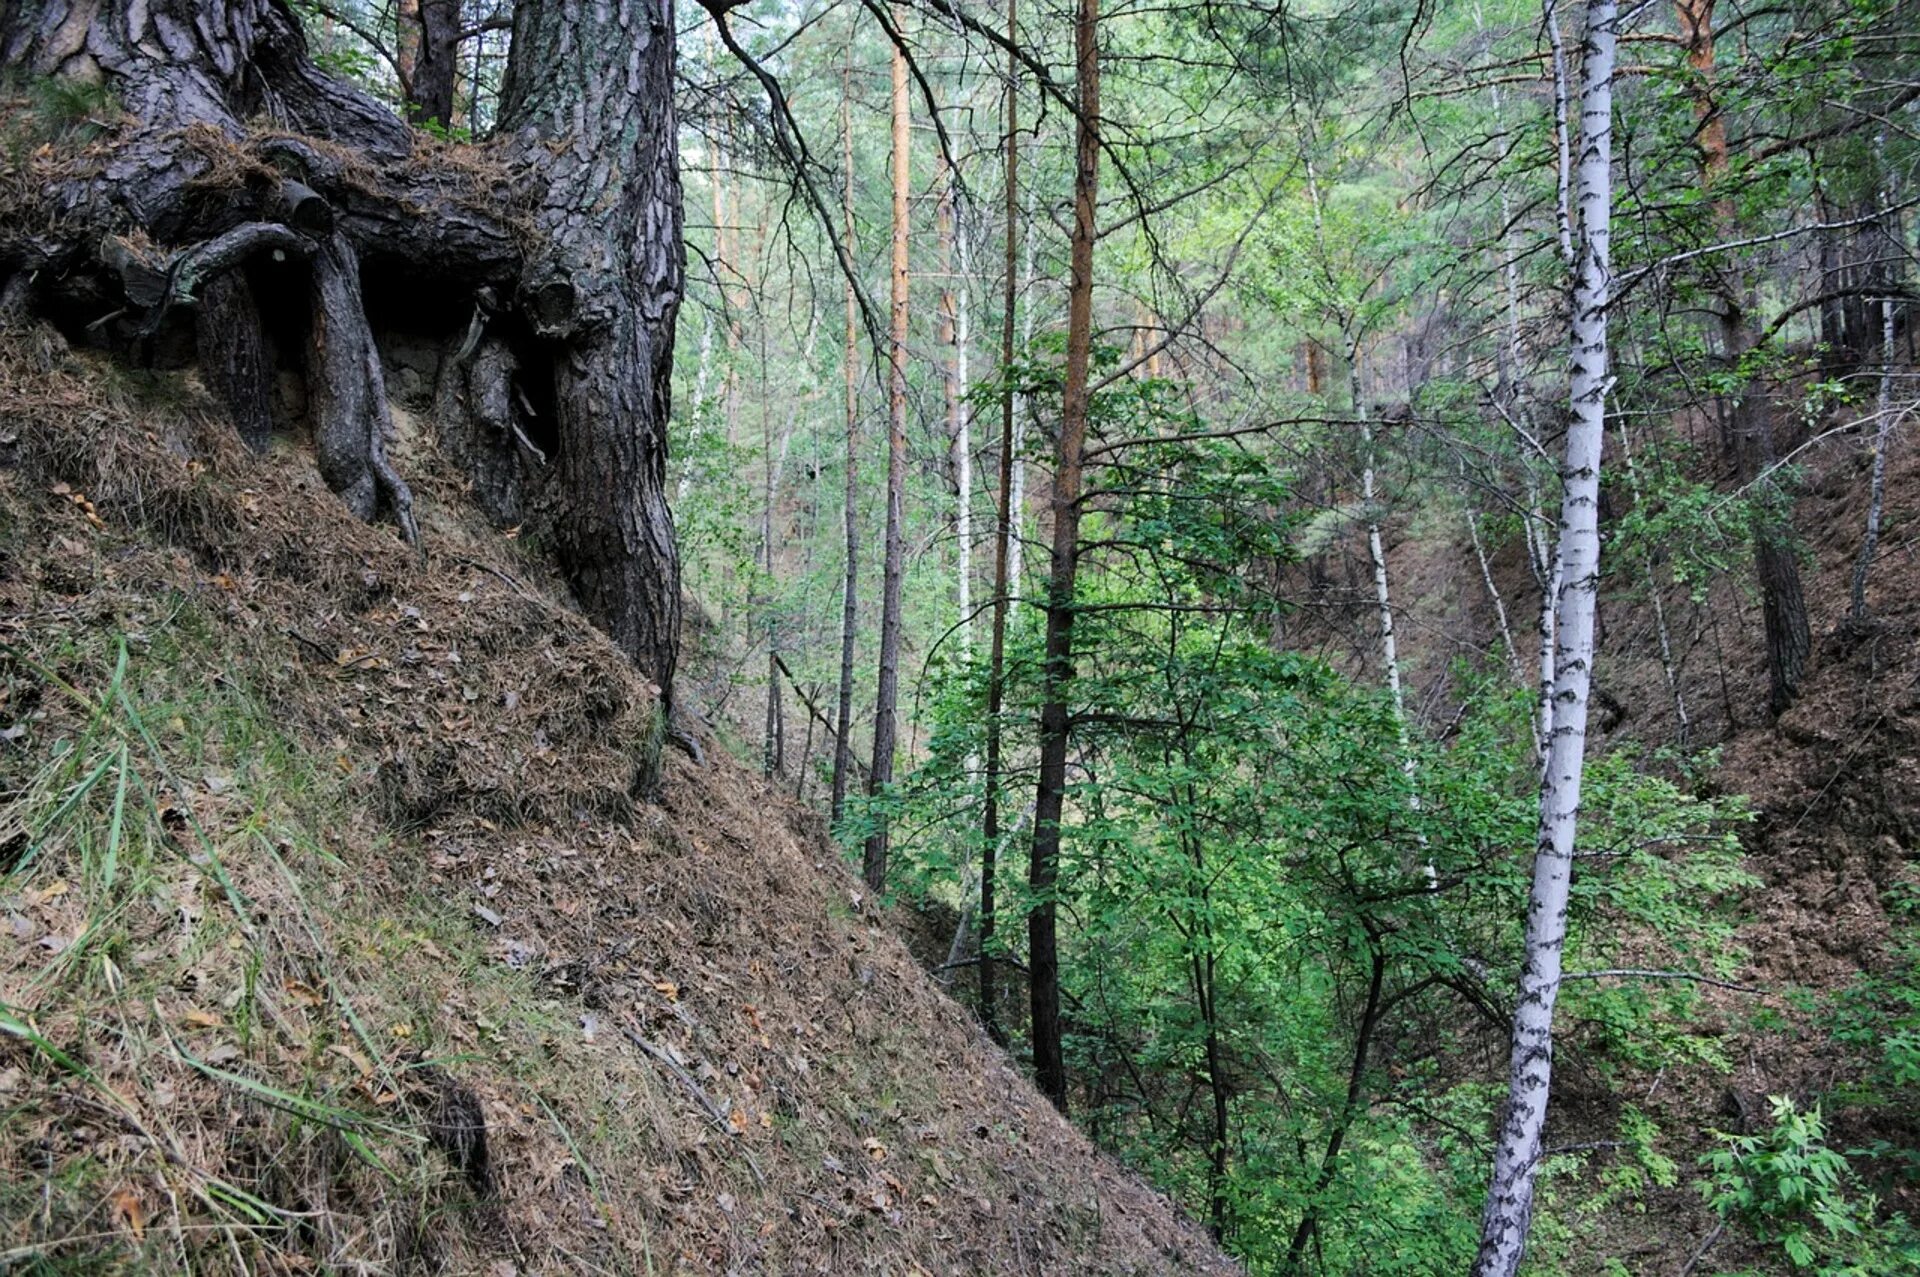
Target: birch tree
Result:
[[1509, 1205]]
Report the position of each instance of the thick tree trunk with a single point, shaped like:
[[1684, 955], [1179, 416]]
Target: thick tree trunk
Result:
[[893, 571], [1509, 1205], [588, 102], [1049, 1061], [599, 291], [435, 68]]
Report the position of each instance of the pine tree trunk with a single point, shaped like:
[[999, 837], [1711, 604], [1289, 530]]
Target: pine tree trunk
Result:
[[595, 265], [1749, 429], [604, 287], [880, 775], [850, 587], [1509, 1205], [1049, 1062], [234, 359], [435, 67]]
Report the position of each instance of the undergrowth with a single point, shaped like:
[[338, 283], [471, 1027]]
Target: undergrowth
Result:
[[187, 949]]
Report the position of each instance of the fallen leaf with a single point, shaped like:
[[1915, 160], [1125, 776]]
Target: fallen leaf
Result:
[[352, 1057], [128, 1207], [487, 915], [875, 1149]]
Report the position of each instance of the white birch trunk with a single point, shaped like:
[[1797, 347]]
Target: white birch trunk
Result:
[[963, 433], [1493, 592], [1883, 410], [1509, 1206], [1376, 548]]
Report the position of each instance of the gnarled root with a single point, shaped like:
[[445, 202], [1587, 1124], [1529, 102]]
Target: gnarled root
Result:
[[347, 393]]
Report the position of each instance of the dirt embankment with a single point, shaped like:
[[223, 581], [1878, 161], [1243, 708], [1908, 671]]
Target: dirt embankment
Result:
[[333, 938]]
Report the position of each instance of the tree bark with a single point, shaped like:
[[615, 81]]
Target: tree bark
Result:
[[850, 511], [1509, 1205], [1049, 1062], [347, 392], [1749, 429], [434, 70], [588, 104], [234, 359], [1005, 525], [880, 775]]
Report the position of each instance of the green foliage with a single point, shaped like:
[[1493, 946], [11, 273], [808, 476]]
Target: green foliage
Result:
[[60, 111], [1791, 1190], [1878, 1016], [1274, 891]]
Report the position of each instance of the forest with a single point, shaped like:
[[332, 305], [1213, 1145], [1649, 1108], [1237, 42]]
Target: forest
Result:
[[922, 636]]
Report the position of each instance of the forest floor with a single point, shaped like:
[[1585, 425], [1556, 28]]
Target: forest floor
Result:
[[332, 937]]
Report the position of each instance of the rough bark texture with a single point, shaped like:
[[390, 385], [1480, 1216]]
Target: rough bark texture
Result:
[[1748, 430], [182, 195], [474, 406], [234, 359], [347, 392], [175, 63], [588, 103], [436, 61], [1049, 1062], [1509, 1205]]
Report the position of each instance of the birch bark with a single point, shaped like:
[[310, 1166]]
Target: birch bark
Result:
[[1509, 1205]]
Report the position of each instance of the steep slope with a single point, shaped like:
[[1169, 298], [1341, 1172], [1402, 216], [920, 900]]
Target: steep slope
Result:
[[331, 938]]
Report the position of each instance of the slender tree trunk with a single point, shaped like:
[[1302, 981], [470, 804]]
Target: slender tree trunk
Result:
[[1049, 1062], [850, 588], [1005, 525], [1683, 722], [1303, 1233], [1883, 411], [963, 450], [881, 774], [772, 746], [953, 335], [1376, 548], [1017, 553], [1747, 416], [1493, 593], [1509, 1205], [1877, 491]]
